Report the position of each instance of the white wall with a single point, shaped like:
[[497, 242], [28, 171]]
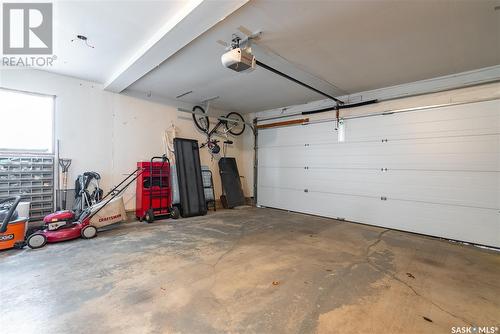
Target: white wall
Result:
[[107, 132]]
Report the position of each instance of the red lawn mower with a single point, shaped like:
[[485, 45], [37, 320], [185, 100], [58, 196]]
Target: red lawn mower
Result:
[[67, 225]]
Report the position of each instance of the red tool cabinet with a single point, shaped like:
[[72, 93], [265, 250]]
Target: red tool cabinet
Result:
[[153, 190]]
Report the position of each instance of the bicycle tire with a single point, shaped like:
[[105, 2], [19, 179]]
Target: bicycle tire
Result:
[[199, 120], [236, 117]]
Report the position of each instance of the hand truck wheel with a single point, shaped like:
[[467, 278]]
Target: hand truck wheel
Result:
[[149, 217], [175, 213]]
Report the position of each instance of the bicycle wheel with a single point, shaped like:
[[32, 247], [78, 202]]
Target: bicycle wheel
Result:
[[235, 129], [201, 122]]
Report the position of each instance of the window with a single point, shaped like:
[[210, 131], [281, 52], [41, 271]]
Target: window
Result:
[[26, 122]]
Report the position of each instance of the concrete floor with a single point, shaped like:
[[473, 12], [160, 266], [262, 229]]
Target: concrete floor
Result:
[[249, 271]]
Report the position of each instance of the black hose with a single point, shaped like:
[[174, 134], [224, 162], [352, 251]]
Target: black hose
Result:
[[344, 106]]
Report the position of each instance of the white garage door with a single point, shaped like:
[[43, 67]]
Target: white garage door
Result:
[[434, 172]]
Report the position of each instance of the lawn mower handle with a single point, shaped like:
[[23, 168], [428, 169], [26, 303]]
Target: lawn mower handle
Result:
[[112, 191], [6, 220], [136, 174]]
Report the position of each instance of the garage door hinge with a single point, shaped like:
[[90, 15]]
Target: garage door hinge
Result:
[[306, 190], [306, 167], [383, 169], [306, 144], [383, 198], [384, 140]]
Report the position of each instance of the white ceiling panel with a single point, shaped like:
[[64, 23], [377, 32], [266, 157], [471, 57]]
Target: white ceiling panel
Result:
[[116, 29]]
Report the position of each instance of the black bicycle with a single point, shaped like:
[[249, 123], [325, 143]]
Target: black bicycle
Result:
[[232, 123]]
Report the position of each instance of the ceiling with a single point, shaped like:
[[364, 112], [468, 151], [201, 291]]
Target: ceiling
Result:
[[353, 45], [116, 29]]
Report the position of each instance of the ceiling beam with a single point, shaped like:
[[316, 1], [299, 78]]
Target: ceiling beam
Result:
[[193, 20]]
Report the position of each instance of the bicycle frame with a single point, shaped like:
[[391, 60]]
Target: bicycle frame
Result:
[[215, 131], [216, 128]]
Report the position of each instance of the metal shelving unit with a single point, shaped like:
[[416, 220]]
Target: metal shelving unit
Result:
[[32, 177]]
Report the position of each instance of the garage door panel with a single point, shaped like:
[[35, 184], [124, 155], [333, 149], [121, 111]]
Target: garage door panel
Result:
[[481, 143], [489, 144], [474, 190], [460, 223], [429, 161], [282, 199], [319, 132], [349, 207], [433, 172], [344, 181], [457, 188], [423, 129], [477, 153], [283, 136], [470, 119], [282, 178], [483, 114], [282, 156], [472, 225]]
